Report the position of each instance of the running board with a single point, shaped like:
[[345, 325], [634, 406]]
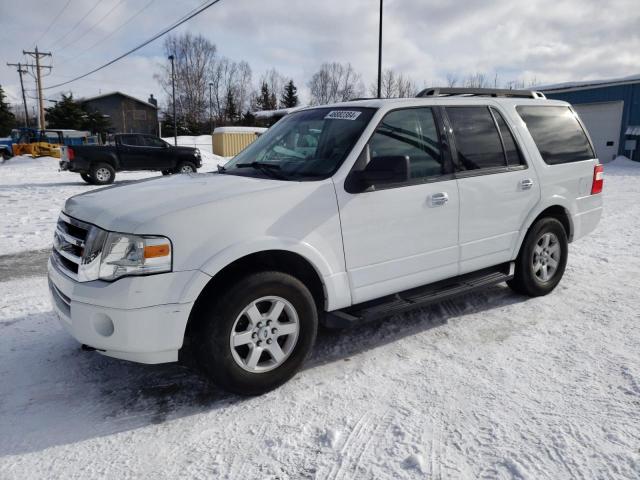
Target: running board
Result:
[[418, 297]]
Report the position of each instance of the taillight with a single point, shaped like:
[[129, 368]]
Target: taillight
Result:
[[70, 154], [598, 179]]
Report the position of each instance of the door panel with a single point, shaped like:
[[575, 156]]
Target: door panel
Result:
[[497, 190], [603, 121], [493, 208], [397, 239], [405, 236], [131, 152]]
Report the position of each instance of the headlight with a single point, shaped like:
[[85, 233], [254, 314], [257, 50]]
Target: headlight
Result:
[[197, 153], [125, 254]]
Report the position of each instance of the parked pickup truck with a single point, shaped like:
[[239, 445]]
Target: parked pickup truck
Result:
[[339, 214], [98, 164]]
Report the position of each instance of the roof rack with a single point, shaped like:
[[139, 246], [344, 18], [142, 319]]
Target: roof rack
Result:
[[481, 92]]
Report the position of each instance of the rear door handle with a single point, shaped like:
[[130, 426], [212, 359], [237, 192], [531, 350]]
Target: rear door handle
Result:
[[526, 184], [438, 199]]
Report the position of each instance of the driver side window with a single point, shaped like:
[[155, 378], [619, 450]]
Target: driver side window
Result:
[[410, 132]]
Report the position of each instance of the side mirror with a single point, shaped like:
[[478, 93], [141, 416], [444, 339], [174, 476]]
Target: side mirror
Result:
[[384, 170]]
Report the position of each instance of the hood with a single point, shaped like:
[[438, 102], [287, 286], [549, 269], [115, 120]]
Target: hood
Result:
[[124, 207], [183, 149]]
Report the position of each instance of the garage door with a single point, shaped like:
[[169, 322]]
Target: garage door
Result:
[[604, 121]]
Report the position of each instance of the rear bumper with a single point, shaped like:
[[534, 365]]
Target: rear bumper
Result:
[[78, 165], [124, 327], [586, 222]]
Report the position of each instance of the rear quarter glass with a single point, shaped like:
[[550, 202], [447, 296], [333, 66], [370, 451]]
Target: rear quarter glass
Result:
[[557, 133]]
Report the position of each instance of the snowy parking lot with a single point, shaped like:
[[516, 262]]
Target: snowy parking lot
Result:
[[489, 385]]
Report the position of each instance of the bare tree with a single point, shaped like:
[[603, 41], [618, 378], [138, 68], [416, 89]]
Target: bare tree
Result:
[[335, 82], [406, 87], [274, 80], [193, 57], [476, 80], [452, 80]]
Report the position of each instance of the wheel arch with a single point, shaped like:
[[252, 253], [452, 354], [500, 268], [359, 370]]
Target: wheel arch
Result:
[[284, 261], [557, 211]]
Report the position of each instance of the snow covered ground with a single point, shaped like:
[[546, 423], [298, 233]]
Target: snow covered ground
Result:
[[490, 385], [32, 192]]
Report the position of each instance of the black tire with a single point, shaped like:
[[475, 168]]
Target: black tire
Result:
[[183, 166], [87, 178], [215, 318], [526, 281], [5, 155], [102, 174]]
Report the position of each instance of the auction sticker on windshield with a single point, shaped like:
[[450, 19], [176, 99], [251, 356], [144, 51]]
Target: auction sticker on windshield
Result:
[[342, 115]]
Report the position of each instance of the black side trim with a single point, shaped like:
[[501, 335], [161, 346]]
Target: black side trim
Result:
[[418, 297]]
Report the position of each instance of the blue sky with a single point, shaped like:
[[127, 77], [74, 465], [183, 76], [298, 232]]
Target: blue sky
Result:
[[549, 41]]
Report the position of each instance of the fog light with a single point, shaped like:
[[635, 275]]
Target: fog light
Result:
[[103, 325]]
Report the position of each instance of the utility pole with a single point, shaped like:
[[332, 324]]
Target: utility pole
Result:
[[24, 99], [173, 99], [37, 55], [380, 54], [210, 109]]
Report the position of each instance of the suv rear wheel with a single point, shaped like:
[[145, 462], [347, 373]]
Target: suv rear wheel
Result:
[[256, 334], [542, 259], [103, 174]]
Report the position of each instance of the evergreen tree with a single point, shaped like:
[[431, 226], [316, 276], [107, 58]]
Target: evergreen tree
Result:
[[266, 99], [67, 113], [95, 121], [248, 119], [289, 98], [231, 111], [7, 118]]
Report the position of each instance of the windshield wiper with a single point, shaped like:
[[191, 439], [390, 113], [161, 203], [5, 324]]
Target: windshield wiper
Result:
[[270, 169]]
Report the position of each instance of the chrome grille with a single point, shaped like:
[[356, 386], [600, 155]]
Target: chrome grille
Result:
[[69, 243]]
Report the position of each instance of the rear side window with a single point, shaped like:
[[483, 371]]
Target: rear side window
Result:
[[132, 140], [511, 150], [557, 133], [477, 139]]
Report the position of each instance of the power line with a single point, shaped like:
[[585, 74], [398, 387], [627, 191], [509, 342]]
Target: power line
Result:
[[100, 20], [53, 22], [102, 40], [144, 44], [76, 24]]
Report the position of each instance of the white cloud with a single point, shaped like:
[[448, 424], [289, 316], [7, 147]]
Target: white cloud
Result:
[[548, 40]]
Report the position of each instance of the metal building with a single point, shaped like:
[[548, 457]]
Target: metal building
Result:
[[611, 111]]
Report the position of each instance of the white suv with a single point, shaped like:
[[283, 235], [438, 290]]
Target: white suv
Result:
[[337, 214]]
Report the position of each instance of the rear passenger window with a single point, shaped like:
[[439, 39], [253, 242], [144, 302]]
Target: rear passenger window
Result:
[[477, 139], [411, 132], [511, 150], [131, 140], [557, 133]]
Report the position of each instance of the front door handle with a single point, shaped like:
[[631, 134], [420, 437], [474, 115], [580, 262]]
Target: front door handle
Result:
[[438, 199], [526, 184]]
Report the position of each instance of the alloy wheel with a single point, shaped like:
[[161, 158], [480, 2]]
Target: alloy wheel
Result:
[[264, 334]]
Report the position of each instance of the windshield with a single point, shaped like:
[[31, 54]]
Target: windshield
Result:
[[304, 145]]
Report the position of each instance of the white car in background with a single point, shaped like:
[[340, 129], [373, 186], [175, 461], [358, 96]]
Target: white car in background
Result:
[[338, 214]]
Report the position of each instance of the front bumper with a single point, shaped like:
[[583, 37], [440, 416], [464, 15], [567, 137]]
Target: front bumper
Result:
[[142, 319]]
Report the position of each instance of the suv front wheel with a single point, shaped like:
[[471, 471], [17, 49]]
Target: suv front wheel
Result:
[[256, 335], [542, 259]]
